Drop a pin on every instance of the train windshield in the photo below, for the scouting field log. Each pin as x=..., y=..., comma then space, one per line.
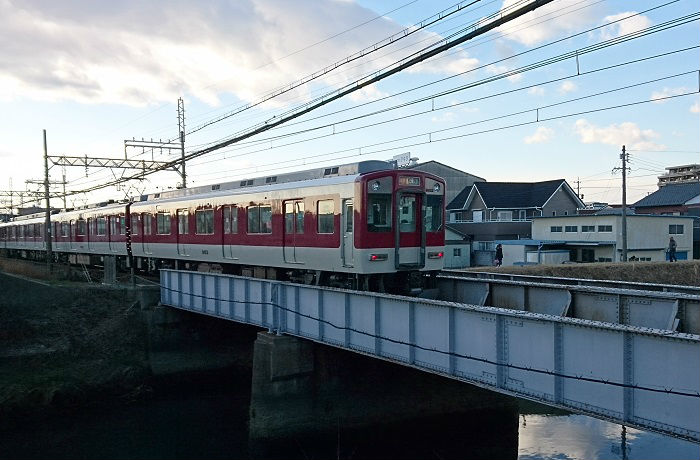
x=379, y=212
x=433, y=213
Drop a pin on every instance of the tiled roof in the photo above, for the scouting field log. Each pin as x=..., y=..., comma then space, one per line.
x=512, y=194
x=671, y=195
x=458, y=201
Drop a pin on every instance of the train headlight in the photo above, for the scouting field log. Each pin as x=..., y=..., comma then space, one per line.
x=436, y=188
x=375, y=186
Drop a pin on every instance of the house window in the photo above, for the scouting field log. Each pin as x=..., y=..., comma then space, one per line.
x=605, y=228
x=571, y=229
x=230, y=219
x=566, y=213
x=205, y=221
x=522, y=214
x=675, y=229
x=587, y=228
x=477, y=216
x=163, y=223
x=325, y=216
x=259, y=219
x=604, y=259
x=554, y=213
x=555, y=229
x=505, y=215
x=457, y=252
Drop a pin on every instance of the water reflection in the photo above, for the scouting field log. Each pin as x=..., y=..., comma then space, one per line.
x=214, y=425
x=563, y=436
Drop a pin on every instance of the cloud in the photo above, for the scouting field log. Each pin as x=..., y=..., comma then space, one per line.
x=626, y=26
x=695, y=108
x=542, y=134
x=368, y=93
x=139, y=52
x=495, y=69
x=536, y=91
x=666, y=92
x=567, y=87
x=443, y=117
x=626, y=133
x=546, y=22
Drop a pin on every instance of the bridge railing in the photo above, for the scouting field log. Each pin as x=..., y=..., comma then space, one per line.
x=646, y=378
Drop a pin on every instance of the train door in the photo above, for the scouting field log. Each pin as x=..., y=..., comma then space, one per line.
x=71, y=235
x=183, y=219
x=410, y=237
x=230, y=227
x=112, y=233
x=147, y=232
x=293, y=226
x=348, y=240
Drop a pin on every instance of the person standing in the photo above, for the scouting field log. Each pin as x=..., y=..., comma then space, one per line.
x=672, y=250
x=499, y=255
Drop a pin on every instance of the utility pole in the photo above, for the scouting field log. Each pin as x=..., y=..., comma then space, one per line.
x=47, y=220
x=181, y=129
x=624, y=158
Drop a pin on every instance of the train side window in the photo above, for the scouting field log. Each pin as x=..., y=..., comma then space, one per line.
x=259, y=219
x=325, y=213
x=205, y=221
x=101, y=226
x=433, y=213
x=64, y=229
x=147, y=224
x=81, y=227
x=135, y=221
x=378, y=212
x=163, y=223
x=183, y=219
x=122, y=225
x=112, y=225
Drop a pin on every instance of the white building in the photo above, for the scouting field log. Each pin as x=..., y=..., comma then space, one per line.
x=598, y=238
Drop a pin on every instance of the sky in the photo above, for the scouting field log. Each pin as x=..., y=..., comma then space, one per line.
x=553, y=94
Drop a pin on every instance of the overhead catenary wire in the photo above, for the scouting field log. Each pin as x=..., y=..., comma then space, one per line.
x=556, y=41
x=494, y=22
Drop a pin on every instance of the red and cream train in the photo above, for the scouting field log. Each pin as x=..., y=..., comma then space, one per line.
x=364, y=225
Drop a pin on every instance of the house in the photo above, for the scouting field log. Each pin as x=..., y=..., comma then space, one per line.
x=457, y=249
x=681, y=199
x=598, y=237
x=455, y=179
x=678, y=199
x=489, y=211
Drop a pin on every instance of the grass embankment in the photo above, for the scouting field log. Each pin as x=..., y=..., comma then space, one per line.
x=64, y=346
x=683, y=273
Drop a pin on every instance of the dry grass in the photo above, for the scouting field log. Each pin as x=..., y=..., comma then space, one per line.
x=683, y=273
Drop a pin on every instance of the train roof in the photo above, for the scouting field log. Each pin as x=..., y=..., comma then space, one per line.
x=350, y=169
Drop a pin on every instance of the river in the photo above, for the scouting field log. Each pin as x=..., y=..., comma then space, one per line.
x=211, y=423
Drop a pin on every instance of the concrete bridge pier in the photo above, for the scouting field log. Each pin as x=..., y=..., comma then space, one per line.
x=306, y=396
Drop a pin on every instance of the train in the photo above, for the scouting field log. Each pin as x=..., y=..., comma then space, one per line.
x=366, y=225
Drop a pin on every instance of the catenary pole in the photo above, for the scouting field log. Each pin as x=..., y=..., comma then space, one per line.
x=47, y=219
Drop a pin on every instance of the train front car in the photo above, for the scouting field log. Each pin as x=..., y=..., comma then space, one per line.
x=400, y=234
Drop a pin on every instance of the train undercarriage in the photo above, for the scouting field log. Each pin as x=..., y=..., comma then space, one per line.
x=408, y=282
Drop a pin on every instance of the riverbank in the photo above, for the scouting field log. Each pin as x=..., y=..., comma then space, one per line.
x=685, y=273
x=66, y=347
